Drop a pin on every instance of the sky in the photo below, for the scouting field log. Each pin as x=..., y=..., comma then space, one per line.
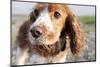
x=24, y=8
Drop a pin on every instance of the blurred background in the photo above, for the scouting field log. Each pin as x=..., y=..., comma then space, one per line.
x=85, y=15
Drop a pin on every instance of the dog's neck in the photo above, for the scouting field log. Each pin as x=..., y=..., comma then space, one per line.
x=50, y=50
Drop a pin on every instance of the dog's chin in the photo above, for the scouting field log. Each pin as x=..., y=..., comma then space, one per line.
x=41, y=40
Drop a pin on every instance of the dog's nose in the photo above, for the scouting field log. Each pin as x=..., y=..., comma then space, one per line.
x=36, y=32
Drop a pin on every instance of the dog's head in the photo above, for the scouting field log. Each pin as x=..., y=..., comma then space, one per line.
x=47, y=23
x=50, y=22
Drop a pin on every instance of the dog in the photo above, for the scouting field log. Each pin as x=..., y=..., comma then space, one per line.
x=43, y=38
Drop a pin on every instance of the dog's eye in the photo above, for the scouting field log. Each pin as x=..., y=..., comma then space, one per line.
x=36, y=12
x=32, y=17
x=57, y=14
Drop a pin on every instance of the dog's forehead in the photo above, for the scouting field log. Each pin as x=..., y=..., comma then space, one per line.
x=51, y=6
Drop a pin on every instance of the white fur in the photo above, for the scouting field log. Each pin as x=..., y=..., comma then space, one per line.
x=18, y=53
x=63, y=59
x=37, y=59
x=21, y=56
x=44, y=19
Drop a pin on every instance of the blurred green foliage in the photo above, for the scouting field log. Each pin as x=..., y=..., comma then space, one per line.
x=87, y=19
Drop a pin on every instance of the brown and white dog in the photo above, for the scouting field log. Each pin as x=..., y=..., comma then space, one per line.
x=42, y=39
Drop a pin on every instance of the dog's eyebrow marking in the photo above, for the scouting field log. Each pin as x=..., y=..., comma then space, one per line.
x=53, y=7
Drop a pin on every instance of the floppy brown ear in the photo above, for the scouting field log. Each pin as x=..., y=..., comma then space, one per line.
x=75, y=34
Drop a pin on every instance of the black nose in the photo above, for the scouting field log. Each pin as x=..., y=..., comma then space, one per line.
x=36, y=32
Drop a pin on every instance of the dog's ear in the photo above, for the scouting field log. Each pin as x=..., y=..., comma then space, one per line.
x=75, y=34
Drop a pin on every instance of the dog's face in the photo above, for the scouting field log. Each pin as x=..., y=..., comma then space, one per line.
x=47, y=22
